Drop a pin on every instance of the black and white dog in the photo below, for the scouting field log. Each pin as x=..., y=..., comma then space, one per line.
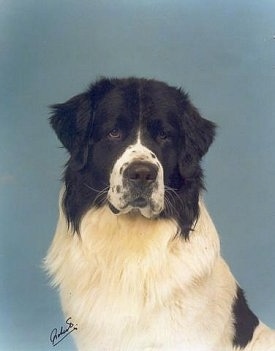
x=136, y=256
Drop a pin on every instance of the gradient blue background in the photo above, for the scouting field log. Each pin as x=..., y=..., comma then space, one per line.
x=221, y=52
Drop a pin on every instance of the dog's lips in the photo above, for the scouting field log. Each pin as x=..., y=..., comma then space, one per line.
x=139, y=202
x=113, y=208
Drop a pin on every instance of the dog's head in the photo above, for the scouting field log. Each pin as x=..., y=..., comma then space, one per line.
x=135, y=144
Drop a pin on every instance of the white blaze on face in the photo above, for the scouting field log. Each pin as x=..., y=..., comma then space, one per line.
x=120, y=193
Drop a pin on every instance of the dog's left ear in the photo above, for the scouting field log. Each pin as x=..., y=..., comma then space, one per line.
x=198, y=133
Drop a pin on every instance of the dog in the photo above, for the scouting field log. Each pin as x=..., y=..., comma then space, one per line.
x=136, y=256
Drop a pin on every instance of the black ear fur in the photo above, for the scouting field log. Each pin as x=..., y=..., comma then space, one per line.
x=198, y=135
x=70, y=119
x=200, y=132
x=73, y=121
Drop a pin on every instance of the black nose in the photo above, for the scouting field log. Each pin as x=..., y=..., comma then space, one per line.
x=141, y=173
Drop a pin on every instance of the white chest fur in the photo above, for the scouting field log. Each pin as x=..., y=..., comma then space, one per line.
x=131, y=283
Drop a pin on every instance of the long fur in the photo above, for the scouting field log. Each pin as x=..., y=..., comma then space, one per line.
x=149, y=290
x=133, y=283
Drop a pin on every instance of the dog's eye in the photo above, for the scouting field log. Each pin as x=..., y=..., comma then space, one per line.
x=115, y=134
x=163, y=135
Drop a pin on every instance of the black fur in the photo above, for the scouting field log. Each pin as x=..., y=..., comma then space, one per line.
x=245, y=321
x=172, y=128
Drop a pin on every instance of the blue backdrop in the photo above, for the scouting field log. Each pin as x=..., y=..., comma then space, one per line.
x=221, y=52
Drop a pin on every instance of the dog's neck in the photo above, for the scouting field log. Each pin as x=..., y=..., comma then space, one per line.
x=126, y=245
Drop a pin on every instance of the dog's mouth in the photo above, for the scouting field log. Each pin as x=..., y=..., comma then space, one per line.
x=140, y=202
x=148, y=205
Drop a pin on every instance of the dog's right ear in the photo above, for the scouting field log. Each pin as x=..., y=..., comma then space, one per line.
x=73, y=120
x=70, y=120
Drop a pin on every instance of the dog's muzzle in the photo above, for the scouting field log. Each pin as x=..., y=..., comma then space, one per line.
x=139, y=177
x=136, y=183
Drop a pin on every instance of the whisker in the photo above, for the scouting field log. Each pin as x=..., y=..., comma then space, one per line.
x=97, y=198
x=96, y=190
x=171, y=191
x=170, y=207
x=100, y=193
x=169, y=198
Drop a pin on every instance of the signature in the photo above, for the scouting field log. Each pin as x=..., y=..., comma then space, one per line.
x=57, y=335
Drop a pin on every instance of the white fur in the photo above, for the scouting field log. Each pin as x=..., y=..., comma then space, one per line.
x=119, y=200
x=132, y=284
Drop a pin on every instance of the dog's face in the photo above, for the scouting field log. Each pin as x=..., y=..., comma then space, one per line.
x=135, y=145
